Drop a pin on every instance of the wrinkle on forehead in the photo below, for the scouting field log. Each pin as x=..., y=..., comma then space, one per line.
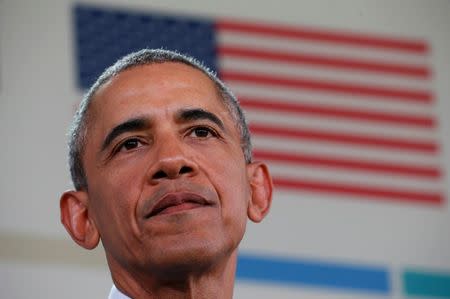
x=153, y=82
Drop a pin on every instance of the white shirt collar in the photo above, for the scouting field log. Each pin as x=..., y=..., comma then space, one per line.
x=116, y=294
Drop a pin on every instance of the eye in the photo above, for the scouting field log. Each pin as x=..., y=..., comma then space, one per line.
x=202, y=132
x=129, y=144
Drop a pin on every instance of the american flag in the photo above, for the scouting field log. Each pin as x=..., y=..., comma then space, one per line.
x=334, y=113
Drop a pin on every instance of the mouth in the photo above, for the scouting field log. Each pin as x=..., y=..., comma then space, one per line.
x=177, y=203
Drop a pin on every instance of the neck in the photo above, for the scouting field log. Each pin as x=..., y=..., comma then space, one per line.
x=214, y=282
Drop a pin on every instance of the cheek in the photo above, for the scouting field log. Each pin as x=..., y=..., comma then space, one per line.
x=115, y=194
x=234, y=192
x=124, y=178
x=229, y=173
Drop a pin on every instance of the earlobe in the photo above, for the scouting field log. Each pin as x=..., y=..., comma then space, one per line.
x=261, y=191
x=76, y=220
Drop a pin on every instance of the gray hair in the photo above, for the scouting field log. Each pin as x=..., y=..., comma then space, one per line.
x=79, y=129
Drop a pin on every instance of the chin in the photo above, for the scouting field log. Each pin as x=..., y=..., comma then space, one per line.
x=187, y=258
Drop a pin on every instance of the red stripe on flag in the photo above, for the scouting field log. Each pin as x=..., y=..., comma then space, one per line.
x=331, y=62
x=393, y=195
x=328, y=86
x=317, y=135
x=348, y=164
x=317, y=35
x=336, y=112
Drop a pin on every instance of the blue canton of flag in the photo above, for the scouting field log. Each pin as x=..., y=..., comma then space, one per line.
x=103, y=36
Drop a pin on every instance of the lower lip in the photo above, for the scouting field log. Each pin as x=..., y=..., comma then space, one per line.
x=180, y=208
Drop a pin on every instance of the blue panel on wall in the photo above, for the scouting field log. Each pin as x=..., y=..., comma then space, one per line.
x=372, y=279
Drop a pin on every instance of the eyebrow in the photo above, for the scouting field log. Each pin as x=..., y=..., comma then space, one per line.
x=131, y=125
x=198, y=114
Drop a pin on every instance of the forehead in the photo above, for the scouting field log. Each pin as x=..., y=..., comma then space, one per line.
x=154, y=88
x=154, y=81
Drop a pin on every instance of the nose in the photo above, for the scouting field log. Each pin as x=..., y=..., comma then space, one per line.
x=171, y=161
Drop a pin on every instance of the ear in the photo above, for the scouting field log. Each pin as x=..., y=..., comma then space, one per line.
x=76, y=220
x=261, y=191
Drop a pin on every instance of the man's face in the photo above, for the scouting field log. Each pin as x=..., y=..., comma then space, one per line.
x=167, y=179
